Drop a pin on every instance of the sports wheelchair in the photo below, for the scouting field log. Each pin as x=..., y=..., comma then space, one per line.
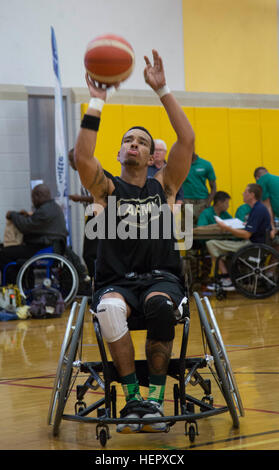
x=254, y=271
x=101, y=375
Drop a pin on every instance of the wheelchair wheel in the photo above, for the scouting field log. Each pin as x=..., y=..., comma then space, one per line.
x=255, y=271
x=224, y=357
x=51, y=270
x=63, y=358
x=70, y=367
x=219, y=371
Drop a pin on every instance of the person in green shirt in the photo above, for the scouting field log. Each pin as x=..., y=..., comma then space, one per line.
x=242, y=212
x=195, y=188
x=270, y=197
x=220, y=205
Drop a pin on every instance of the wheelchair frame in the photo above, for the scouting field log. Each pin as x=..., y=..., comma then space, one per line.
x=102, y=374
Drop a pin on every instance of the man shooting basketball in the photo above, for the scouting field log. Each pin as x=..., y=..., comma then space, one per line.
x=137, y=275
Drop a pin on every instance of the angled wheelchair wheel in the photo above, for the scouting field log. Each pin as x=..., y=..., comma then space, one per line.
x=51, y=270
x=217, y=365
x=68, y=368
x=255, y=271
x=224, y=357
x=62, y=362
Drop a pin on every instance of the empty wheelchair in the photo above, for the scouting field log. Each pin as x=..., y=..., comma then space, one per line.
x=48, y=269
x=76, y=381
x=254, y=271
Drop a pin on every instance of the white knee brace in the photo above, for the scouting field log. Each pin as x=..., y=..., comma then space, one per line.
x=112, y=316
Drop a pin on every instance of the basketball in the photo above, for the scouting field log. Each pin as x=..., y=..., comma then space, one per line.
x=109, y=59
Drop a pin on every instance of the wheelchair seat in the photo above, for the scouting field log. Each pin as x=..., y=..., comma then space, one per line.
x=185, y=371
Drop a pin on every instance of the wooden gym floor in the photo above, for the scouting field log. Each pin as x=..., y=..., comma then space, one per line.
x=29, y=352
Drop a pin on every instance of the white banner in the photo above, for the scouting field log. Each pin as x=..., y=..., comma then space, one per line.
x=60, y=141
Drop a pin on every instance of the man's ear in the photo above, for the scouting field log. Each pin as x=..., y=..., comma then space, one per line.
x=151, y=160
x=118, y=155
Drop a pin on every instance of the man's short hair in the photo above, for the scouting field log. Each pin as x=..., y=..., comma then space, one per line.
x=221, y=196
x=256, y=189
x=162, y=142
x=152, y=147
x=40, y=195
x=258, y=170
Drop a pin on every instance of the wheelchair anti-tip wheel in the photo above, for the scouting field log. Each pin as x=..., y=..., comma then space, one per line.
x=218, y=362
x=51, y=270
x=255, y=271
x=69, y=366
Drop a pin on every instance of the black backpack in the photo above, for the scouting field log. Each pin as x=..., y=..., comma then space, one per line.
x=47, y=302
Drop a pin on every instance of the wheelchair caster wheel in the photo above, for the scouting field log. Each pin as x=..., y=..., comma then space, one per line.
x=103, y=434
x=191, y=431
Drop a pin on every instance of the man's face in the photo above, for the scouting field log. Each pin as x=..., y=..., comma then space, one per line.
x=247, y=195
x=259, y=174
x=135, y=148
x=159, y=154
x=224, y=205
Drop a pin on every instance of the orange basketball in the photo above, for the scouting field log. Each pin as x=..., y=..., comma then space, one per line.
x=109, y=59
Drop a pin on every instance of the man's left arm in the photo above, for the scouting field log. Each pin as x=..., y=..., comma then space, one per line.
x=212, y=184
x=26, y=224
x=180, y=156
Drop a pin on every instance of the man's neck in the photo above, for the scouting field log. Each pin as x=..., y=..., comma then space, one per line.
x=134, y=176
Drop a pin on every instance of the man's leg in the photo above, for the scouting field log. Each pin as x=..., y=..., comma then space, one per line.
x=158, y=352
x=112, y=313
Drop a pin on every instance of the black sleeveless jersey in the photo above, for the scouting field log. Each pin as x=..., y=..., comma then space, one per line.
x=138, y=233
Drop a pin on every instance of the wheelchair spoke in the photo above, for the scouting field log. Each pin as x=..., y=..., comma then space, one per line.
x=244, y=261
x=268, y=280
x=256, y=284
x=244, y=277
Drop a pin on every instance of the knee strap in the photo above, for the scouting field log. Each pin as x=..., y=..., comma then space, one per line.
x=112, y=316
x=160, y=319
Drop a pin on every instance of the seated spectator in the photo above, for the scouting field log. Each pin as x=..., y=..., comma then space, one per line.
x=270, y=197
x=159, y=158
x=255, y=230
x=44, y=227
x=194, y=187
x=242, y=212
x=220, y=205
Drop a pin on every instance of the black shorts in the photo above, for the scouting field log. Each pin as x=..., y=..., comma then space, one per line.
x=135, y=291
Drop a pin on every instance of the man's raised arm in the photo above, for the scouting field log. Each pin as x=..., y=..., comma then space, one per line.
x=180, y=155
x=90, y=170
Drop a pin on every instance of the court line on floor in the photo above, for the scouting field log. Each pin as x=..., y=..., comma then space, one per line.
x=236, y=438
x=7, y=382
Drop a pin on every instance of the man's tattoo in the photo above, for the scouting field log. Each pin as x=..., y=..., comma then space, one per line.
x=158, y=354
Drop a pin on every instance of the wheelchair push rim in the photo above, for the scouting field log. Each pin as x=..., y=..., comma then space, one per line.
x=62, y=362
x=219, y=374
x=224, y=357
x=72, y=367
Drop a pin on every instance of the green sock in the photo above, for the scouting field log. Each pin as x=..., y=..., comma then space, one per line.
x=157, y=385
x=130, y=387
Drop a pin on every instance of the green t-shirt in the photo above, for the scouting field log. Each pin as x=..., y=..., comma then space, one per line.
x=194, y=187
x=242, y=212
x=270, y=187
x=207, y=216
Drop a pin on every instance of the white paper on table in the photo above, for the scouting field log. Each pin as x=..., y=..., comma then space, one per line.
x=234, y=223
